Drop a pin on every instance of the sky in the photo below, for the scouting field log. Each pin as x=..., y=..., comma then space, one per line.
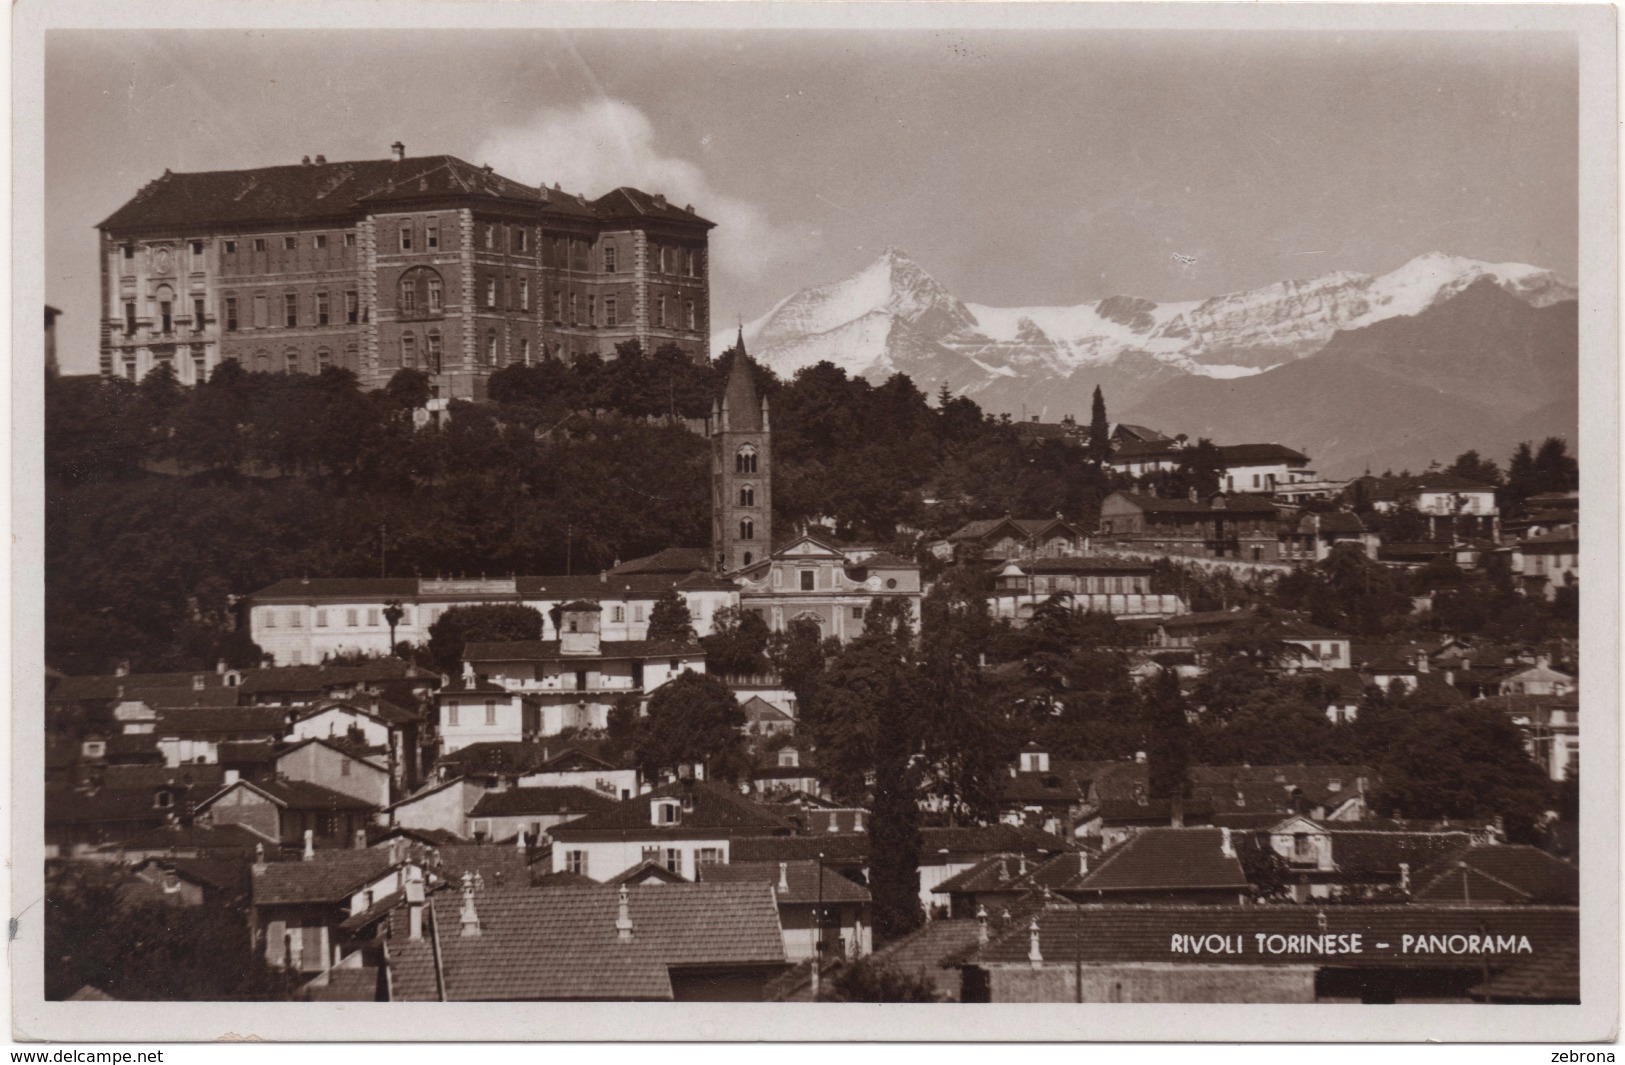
x=1018, y=167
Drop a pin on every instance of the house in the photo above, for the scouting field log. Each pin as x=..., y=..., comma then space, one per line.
x=1454, y=506
x=809, y=579
x=1116, y=586
x=1325, y=792
x=821, y=913
x=471, y=711
x=1315, y=534
x=1543, y=563
x=194, y=734
x=306, y=915
x=1192, y=866
x=682, y=825
x=1242, y=954
x=1338, y=859
x=186, y=881
x=1012, y=538
x=575, y=767
x=1138, y=458
x=294, y=812
x=1551, y=979
x=1509, y=874
x=1180, y=632
x=782, y=772
x=1045, y=793
x=439, y=807
x=576, y=680
x=319, y=761
x=1551, y=729
x=1242, y=527
x=1262, y=468
x=667, y=942
x=376, y=726
x=1303, y=644
x=499, y=816
x=762, y=718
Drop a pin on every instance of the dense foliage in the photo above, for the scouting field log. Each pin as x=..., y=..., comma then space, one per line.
x=461, y=625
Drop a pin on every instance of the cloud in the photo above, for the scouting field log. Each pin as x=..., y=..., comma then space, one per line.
x=605, y=143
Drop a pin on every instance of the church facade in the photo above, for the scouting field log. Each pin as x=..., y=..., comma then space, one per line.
x=425, y=263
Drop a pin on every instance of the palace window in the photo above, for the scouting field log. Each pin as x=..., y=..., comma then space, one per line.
x=745, y=460
x=352, y=618
x=436, y=297
x=693, y=263
x=129, y=251
x=491, y=347
x=592, y=310
x=406, y=237
x=610, y=317
x=230, y=247
x=433, y=351
x=409, y=360
x=747, y=529
x=259, y=243
x=199, y=312
x=690, y=314
x=524, y=292
x=197, y=249
x=490, y=711
x=321, y=240
x=431, y=234
x=352, y=308
x=200, y=370
x=409, y=296
x=574, y=319
x=660, y=311
x=166, y=316
x=524, y=350
x=747, y=495
x=490, y=236
x=290, y=243
x=291, y=361
x=324, y=359
x=349, y=240
x=674, y=860
x=809, y=580
x=451, y=715
x=521, y=238
x=321, y=619
x=558, y=307
x=619, y=615
x=609, y=258
x=323, y=313
x=290, y=310
x=129, y=317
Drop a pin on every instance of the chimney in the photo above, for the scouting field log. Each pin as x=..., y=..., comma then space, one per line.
x=259, y=857
x=1176, y=812
x=321, y=160
x=305, y=161
x=232, y=776
x=1405, y=877
x=603, y=576
x=360, y=839
x=469, y=920
x=521, y=841
x=123, y=669
x=1227, y=846
x=1083, y=863
x=1139, y=757
x=784, y=876
x=834, y=822
x=1021, y=865
x=1421, y=661
x=623, y=915
x=981, y=925
x=857, y=821
x=397, y=151
x=1193, y=493
x=310, y=845
x=414, y=902
x=1034, y=957
x=660, y=200
x=220, y=666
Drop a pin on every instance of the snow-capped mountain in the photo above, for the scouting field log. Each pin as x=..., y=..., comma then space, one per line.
x=892, y=317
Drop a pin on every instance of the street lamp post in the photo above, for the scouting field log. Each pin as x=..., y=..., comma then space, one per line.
x=393, y=614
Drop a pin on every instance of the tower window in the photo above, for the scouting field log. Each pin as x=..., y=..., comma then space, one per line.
x=747, y=529
x=745, y=460
x=747, y=495
x=197, y=248
x=592, y=310
x=231, y=247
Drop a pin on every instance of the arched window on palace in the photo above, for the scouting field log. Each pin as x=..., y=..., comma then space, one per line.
x=420, y=293
x=747, y=529
x=747, y=495
x=745, y=460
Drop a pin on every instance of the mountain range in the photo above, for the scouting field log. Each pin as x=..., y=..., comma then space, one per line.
x=1392, y=370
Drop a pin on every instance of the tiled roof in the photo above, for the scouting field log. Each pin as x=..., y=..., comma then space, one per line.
x=110, y=806
x=331, y=876
x=598, y=586
x=323, y=677
x=348, y=985
x=1255, y=454
x=220, y=874
x=330, y=745
x=497, y=756
x=297, y=795
x=1321, y=785
x=382, y=589
x=758, y=709
x=714, y=809
x=548, y=651
x=1338, y=521
x=380, y=710
x=248, y=752
x=673, y=926
x=1001, y=872
x=562, y=878
x=305, y=193
x=503, y=866
x=988, y=839
x=1167, y=859
x=841, y=847
x=1139, y=432
x=1237, y=503
x=674, y=560
x=644, y=871
x=1029, y=787
x=1082, y=564
x=1131, y=450
x=222, y=720
x=520, y=802
x=1551, y=976
x=174, y=696
x=802, y=878
x=108, y=686
x=157, y=776
x=885, y=560
x=1508, y=873
x=976, y=530
x=129, y=744
x=1358, y=851
x=1108, y=934
x=627, y=201
x=231, y=837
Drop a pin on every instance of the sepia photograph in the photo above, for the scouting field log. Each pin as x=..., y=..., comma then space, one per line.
x=767, y=507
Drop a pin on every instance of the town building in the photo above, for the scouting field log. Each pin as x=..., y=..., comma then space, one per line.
x=1012, y=538
x=821, y=913
x=810, y=580
x=1263, y=469
x=1315, y=534
x=1543, y=563
x=306, y=914
x=480, y=711
x=501, y=816
x=294, y=812
x=1095, y=583
x=1244, y=527
x=304, y=621
x=380, y=265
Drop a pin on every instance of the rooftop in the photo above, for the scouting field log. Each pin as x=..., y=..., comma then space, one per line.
x=707, y=808
x=1168, y=859
x=331, y=876
x=801, y=880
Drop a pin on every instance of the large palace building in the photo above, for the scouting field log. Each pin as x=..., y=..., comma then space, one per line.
x=427, y=263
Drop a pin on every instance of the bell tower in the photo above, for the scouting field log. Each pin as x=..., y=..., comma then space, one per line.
x=741, y=471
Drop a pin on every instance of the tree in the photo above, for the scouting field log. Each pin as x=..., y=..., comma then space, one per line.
x=409, y=389
x=894, y=823
x=1471, y=466
x=669, y=620
x=1555, y=469
x=737, y=645
x=461, y=625
x=1100, y=430
x=693, y=718
x=873, y=980
x=1201, y=467
x=1168, y=739
x=1267, y=872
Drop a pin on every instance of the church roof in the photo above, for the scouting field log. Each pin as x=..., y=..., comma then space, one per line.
x=740, y=399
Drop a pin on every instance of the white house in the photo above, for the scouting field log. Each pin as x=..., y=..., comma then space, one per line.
x=473, y=711
x=1262, y=468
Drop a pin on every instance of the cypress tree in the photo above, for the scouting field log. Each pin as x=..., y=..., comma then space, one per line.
x=1100, y=445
